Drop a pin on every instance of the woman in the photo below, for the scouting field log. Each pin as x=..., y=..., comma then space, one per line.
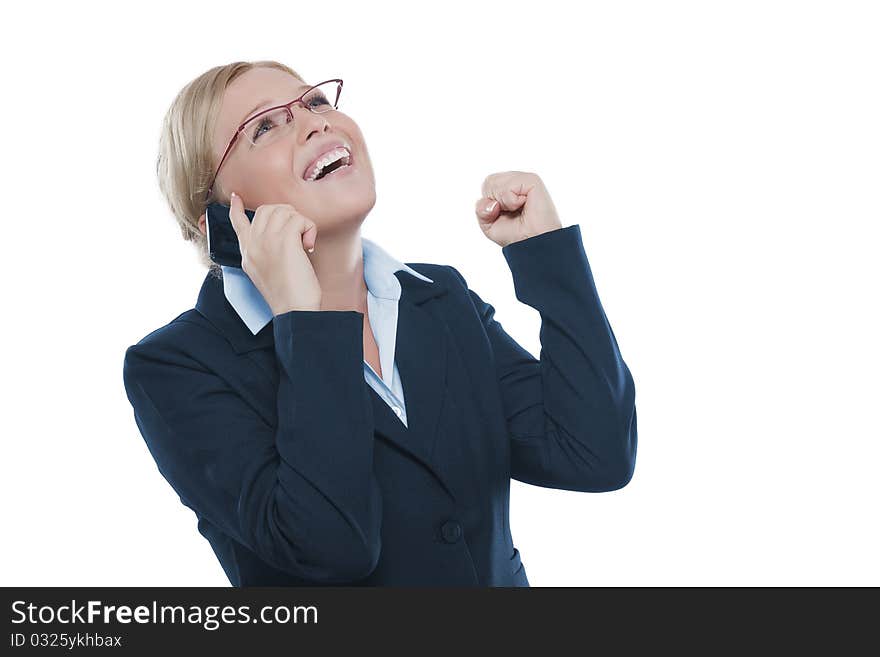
x=335, y=416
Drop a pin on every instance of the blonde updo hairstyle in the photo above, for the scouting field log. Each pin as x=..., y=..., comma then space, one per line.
x=186, y=160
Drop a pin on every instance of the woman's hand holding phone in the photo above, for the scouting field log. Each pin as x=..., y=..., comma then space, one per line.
x=273, y=254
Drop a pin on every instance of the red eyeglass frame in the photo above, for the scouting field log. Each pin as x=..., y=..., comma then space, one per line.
x=288, y=107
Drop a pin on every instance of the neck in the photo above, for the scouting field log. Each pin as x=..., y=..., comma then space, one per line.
x=338, y=261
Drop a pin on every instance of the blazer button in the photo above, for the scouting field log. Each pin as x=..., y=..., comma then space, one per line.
x=451, y=531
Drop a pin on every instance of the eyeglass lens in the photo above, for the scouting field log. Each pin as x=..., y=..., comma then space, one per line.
x=266, y=128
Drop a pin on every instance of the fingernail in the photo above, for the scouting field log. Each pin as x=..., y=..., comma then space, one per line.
x=491, y=206
x=233, y=194
x=311, y=250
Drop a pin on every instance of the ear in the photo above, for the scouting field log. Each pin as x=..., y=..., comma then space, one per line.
x=202, y=225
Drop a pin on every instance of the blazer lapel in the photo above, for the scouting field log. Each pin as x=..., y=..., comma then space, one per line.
x=421, y=354
x=421, y=357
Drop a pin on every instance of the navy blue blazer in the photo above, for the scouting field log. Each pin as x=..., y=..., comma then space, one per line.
x=300, y=475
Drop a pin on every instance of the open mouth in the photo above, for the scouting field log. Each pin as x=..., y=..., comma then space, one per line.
x=333, y=166
x=343, y=162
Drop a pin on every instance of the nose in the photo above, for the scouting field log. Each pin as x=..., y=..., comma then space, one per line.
x=308, y=123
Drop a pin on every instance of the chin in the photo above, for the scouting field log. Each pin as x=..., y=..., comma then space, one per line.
x=349, y=206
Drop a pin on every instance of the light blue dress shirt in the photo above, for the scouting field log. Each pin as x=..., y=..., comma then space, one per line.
x=383, y=296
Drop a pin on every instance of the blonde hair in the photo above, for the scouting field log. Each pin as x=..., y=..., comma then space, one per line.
x=186, y=160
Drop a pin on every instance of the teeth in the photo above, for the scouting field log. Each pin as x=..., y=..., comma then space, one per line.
x=330, y=157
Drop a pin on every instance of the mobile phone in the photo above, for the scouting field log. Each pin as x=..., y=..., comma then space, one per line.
x=222, y=241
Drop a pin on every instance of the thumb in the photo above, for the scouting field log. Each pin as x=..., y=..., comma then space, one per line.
x=486, y=207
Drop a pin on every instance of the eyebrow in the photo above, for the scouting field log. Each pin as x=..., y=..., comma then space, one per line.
x=265, y=103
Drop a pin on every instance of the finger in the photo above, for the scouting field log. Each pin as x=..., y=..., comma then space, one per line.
x=511, y=201
x=310, y=236
x=304, y=228
x=495, y=182
x=487, y=208
x=239, y=220
x=501, y=191
x=283, y=214
x=259, y=226
x=276, y=217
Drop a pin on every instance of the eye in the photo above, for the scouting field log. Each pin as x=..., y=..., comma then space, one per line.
x=258, y=130
x=267, y=123
x=318, y=100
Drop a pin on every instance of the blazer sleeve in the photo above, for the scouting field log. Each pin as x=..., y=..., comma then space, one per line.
x=301, y=495
x=571, y=415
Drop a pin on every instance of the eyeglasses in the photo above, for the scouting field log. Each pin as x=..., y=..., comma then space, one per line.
x=267, y=126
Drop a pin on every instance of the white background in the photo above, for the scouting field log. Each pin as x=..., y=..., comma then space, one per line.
x=721, y=158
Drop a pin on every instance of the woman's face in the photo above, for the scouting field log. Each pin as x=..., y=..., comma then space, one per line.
x=274, y=173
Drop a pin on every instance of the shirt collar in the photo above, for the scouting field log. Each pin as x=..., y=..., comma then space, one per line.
x=379, y=268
